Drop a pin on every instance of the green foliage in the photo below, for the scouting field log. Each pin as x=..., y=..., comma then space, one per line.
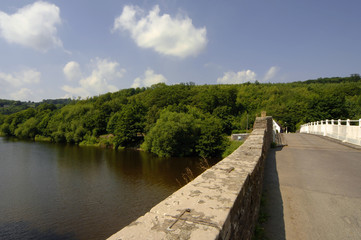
x=174, y=134
x=28, y=129
x=233, y=145
x=212, y=140
x=186, y=134
x=40, y=138
x=106, y=141
x=89, y=141
x=8, y=107
x=183, y=119
x=5, y=130
x=128, y=125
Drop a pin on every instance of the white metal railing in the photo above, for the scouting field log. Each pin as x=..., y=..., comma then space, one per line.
x=344, y=130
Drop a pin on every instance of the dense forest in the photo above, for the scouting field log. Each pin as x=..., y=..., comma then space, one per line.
x=10, y=106
x=184, y=119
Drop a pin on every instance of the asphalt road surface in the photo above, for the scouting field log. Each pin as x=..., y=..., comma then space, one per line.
x=312, y=189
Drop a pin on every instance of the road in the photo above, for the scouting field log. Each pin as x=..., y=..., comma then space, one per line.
x=312, y=189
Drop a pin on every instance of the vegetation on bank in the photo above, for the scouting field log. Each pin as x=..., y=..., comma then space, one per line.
x=184, y=119
x=231, y=148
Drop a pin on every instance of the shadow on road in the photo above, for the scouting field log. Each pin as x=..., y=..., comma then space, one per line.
x=274, y=227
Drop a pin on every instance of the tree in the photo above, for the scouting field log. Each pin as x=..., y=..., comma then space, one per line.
x=186, y=134
x=128, y=125
x=28, y=129
x=211, y=141
x=5, y=129
x=174, y=134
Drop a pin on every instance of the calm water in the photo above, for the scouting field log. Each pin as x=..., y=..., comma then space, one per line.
x=52, y=191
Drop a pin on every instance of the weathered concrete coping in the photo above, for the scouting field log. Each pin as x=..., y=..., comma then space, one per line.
x=213, y=205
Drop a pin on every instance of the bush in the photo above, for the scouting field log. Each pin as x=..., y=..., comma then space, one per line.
x=40, y=138
x=233, y=145
x=174, y=134
x=186, y=134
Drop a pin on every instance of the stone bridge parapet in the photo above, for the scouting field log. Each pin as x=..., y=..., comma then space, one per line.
x=221, y=203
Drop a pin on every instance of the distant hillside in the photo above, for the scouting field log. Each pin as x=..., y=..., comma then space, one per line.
x=10, y=106
x=183, y=119
x=352, y=78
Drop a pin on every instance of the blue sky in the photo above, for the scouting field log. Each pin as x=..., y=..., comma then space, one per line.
x=55, y=49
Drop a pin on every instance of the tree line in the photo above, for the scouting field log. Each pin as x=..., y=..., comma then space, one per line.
x=10, y=106
x=184, y=119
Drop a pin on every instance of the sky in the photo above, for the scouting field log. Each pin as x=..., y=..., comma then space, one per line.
x=60, y=49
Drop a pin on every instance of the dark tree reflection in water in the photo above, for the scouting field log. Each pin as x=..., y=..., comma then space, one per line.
x=54, y=191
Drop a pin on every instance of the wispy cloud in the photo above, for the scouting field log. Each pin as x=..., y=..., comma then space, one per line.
x=237, y=77
x=244, y=76
x=148, y=79
x=22, y=94
x=271, y=73
x=21, y=78
x=32, y=26
x=173, y=36
x=103, y=72
x=17, y=85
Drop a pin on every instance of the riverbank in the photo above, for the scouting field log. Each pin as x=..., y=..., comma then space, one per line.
x=107, y=141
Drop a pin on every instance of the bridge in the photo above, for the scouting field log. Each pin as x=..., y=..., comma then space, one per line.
x=312, y=185
x=344, y=130
x=311, y=188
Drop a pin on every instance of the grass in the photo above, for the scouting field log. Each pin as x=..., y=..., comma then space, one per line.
x=188, y=175
x=231, y=148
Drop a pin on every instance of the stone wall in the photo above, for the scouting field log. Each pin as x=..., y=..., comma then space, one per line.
x=221, y=203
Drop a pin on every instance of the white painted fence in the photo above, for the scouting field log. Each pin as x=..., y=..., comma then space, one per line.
x=344, y=130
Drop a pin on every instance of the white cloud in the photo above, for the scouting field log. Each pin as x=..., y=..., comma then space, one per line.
x=24, y=94
x=271, y=73
x=148, y=79
x=237, y=77
x=75, y=91
x=32, y=26
x=16, y=85
x=30, y=76
x=102, y=73
x=17, y=79
x=166, y=35
x=72, y=71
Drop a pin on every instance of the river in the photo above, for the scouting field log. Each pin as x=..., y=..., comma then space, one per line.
x=56, y=191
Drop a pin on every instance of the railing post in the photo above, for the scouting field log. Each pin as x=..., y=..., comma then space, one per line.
x=325, y=129
x=338, y=128
x=322, y=130
x=332, y=122
x=348, y=122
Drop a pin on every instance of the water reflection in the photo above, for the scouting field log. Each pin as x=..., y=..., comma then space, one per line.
x=24, y=230
x=80, y=192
